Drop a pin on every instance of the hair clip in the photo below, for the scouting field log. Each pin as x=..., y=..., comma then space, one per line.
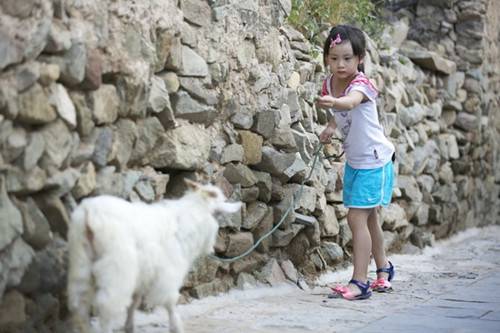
x=336, y=41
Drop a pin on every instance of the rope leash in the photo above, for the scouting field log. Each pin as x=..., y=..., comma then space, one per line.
x=295, y=198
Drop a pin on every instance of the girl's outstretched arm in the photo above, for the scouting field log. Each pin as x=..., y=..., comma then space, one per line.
x=347, y=102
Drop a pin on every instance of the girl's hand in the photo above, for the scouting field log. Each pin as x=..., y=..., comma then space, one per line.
x=327, y=133
x=326, y=102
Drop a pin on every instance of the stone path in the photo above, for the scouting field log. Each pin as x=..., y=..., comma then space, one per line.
x=452, y=287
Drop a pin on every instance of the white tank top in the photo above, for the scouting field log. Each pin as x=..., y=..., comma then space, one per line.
x=365, y=144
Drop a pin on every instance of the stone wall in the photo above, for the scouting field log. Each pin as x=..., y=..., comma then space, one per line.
x=129, y=98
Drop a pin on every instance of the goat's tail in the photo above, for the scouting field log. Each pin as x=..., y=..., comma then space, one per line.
x=80, y=284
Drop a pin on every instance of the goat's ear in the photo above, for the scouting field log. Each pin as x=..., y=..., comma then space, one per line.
x=210, y=194
x=191, y=184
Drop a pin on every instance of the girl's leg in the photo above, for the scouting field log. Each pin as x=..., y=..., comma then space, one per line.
x=377, y=237
x=362, y=243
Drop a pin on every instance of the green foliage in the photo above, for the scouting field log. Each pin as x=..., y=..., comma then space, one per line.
x=311, y=17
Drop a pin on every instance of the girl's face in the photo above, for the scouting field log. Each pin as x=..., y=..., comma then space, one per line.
x=341, y=60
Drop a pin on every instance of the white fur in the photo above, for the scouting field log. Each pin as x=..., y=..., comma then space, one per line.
x=122, y=253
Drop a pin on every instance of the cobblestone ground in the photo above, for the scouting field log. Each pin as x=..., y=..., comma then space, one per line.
x=452, y=287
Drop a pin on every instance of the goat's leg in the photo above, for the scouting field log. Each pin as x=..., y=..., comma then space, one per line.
x=79, y=302
x=174, y=319
x=129, y=323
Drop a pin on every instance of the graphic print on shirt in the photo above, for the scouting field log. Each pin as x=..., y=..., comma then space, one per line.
x=347, y=124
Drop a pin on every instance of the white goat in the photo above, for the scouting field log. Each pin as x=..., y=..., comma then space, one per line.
x=122, y=253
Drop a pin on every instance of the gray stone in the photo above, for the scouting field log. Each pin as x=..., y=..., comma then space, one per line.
x=284, y=213
x=204, y=270
x=245, y=281
x=306, y=202
x=249, y=194
x=232, y=153
x=284, y=139
x=33, y=150
x=427, y=158
x=329, y=223
x=421, y=216
x=282, y=238
x=467, y=121
x=87, y=181
x=117, y=184
x=27, y=75
x=34, y=107
x=58, y=143
x=103, y=146
x=290, y=271
x=133, y=91
x=158, y=95
x=149, y=133
x=239, y=174
x=427, y=59
x=14, y=261
x=85, y=123
x=12, y=310
x=252, y=147
x=72, y=64
x=283, y=165
x=14, y=142
x=393, y=217
x=10, y=50
x=196, y=89
x=36, y=228
x=242, y=120
x=196, y=12
x=62, y=182
x=409, y=188
x=239, y=243
x=192, y=63
x=188, y=108
x=212, y=288
x=60, y=99
x=23, y=183
x=145, y=189
x=11, y=223
x=262, y=229
x=272, y=273
x=125, y=138
x=105, y=104
x=55, y=211
x=264, y=183
x=332, y=252
x=264, y=123
x=254, y=214
x=171, y=80
x=59, y=38
x=412, y=115
x=186, y=148
x=48, y=270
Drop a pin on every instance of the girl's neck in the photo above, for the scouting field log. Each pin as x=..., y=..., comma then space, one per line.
x=340, y=85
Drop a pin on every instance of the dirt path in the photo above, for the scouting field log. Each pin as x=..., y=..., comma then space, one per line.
x=449, y=267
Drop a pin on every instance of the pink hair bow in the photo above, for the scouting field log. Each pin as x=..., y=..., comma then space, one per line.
x=336, y=41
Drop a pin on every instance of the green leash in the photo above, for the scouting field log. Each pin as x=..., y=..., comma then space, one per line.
x=295, y=197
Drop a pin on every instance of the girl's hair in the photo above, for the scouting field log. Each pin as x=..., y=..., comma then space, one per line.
x=350, y=33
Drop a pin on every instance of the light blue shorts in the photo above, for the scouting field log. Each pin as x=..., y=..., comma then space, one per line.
x=368, y=188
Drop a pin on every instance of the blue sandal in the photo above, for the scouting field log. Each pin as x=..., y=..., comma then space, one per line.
x=382, y=284
x=346, y=293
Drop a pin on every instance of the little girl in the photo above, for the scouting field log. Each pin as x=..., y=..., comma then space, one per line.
x=349, y=97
